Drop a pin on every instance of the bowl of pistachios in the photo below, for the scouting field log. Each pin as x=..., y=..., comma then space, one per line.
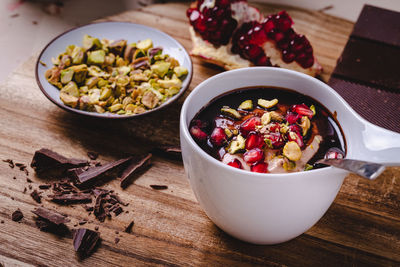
x=115, y=70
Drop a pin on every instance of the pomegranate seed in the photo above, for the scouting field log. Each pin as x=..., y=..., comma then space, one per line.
x=236, y=164
x=254, y=140
x=288, y=56
x=263, y=61
x=274, y=127
x=197, y=133
x=259, y=37
x=307, y=63
x=334, y=153
x=253, y=155
x=279, y=36
x=261, y=167
x=293, y=136
x=284, y=22
x=275, y=139
x=268, y=25
x=249, y=125
x=218, y=136
x=292, y=117
x=302, y=109
x=283, y=45
x=253, y=51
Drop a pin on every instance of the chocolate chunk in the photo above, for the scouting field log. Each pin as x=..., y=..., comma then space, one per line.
x=379, y=25
x=95, y=174
x=116, y=241
x=17, y=215
x=36, y=196
x=30, y=187
x=51, y=216
x=24, y=190
x=71, y=198
x=14, y=177
x=29, y=180
x=44, y=186
x=92, y=155
x=171, y=152
x=2, y=221
x=128, y=229
x=49, y=162
x=85, y=241
x=158, y=187
x=10, y=163
x=96, y=228
x=117, y=211
x=134, y=167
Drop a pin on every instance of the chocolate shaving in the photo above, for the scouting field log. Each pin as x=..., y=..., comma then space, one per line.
x=134, y=167
x=17, y=215
x=92, y=155
x=36, y=196
x=85, y=241
x=44, y=186
x=29, y=180
x=71, y=198
x=171, y=152
x=95, y=174
x=82, y=222
x=158, y=187
x=128, y=229
x=51, y=216
x=49, y=162
x=10, y=163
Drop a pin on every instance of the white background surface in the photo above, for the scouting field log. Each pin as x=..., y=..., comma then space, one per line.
x=20, y=37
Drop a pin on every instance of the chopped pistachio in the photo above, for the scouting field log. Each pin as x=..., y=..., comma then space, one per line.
x=69, y=100
x=105, y=93
x=235, y=131
x=124, y=70
x=80, y=73
x=267, y=103
x=312, y=107
x=305, y=124
x=308, y=167
x=66, y=75
x=150, y=99
x=275, y=116
x=115, y=107
x=94, y=96
x=180, y=71
x=236, y=145
x=289, y=165
x=71, y=89
x=83, y=90
x=140, y=77
x=117, y=47
x=160, y=68
x=268, y=142
x=266, y=118
x=145, y=44
x=77, y=55
x=99, y=109
x=292, y=151
x=109, y=59
x=89, y=42
x=172, y=91
x=92, y=82
x=230, y=112
x=246, y=105
x=138, y=54
x=83, y=102
x=130, y=107
x=129, y=51
x=228, y=132
x=96, y=57
x=97, y=72
x=170, y=83
x=284, y=127
x=65, y=61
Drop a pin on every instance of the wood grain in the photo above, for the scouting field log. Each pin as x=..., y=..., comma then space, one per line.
x=361, y=228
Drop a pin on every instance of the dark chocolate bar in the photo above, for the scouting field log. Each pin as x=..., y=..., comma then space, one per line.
x=51, y=216
x=85, y=241
x=135, y=166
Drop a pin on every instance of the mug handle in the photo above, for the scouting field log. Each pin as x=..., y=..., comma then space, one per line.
x=379, y=145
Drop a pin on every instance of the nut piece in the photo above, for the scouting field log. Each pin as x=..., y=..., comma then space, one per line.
x=180, y=71
x=161, y=68
x=96, y=57
x=267, y=104
x=66, y=76
x=228, y=132
x=90, y=42
x=292, y=151
x=230, y=112
x=150, y=99
x=117, y=47
x=275, y=116
x=246, y=105
x=237, y=145
x=305, y=124
x=266, y=118
x=312, y=107
x=69, y=100
x=145, y=44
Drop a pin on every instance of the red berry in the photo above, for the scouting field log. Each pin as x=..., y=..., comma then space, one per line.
x=253, y=155
x=197, y=133
x=249, y=125
x=236, y=164
x=218, y=136
x=254, y=140
x=302, y=109
x=261, y=167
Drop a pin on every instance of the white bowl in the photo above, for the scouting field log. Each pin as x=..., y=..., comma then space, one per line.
x=273, y=208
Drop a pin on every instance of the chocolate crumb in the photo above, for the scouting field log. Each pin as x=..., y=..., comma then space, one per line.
x=12, y=198
x=14, y=178
x=36, y=196
x=10, y=163
x=17, y=215
x=34, y=22
x=30, y=187
x=158, y=187
x=82, y=222
x=96, y=228
x=24, y=190
x=116, y=240
x=128, y=229
x=85, y=241
x=92, y=155
x=44, y=186
x=117, y=232
x=29, y=180
x=2, y=221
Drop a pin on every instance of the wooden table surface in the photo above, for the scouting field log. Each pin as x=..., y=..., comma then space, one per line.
x=362, y=227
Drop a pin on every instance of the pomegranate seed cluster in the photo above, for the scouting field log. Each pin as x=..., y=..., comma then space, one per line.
x=254, y=133
x=217, y=26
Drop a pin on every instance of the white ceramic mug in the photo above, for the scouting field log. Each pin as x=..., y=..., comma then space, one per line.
x=273, y=208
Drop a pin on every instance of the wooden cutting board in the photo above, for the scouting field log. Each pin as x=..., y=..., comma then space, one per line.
x=362, y=227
